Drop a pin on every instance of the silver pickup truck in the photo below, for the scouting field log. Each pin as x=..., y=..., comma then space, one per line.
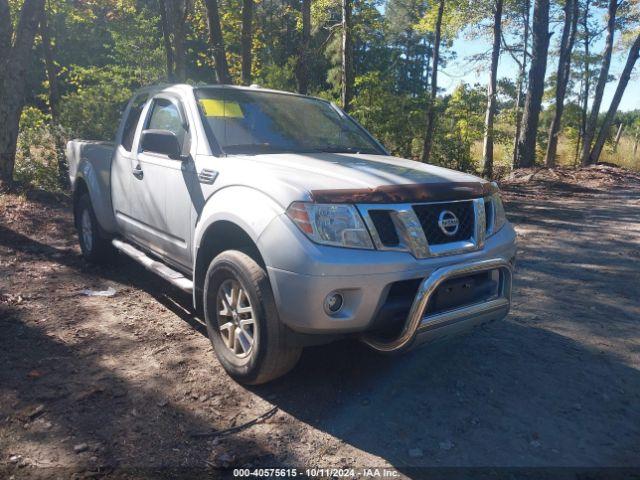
x=291, y=225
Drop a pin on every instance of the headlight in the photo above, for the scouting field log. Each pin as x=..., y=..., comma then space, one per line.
x=496, y=217
x=328, y=224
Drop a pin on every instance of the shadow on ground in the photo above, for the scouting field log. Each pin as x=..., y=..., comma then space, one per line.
x=553, y=385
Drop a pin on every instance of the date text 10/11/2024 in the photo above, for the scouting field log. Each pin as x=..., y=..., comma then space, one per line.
x=316, y=472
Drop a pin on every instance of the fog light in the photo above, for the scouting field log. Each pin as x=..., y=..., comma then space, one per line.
x=333, y=303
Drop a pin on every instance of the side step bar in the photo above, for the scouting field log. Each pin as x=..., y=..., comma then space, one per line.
x=175, y=278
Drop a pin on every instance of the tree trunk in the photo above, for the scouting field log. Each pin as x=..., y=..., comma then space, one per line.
x=634, y=52
x=6, y=34
x=491, y=91
x=635, y=145
x=166, y=37
x=602, y=82
x=217, y=42
x=618, y=135
x=533, y=102
x=178, y=18
x=15, y=58
x=52, y=70
x=586, y=80
x=288, y=38
x=346, y=94
x=427, y=67
x=302, y=70
x=54, y=99
x=431, y=100
x=175, y=17
x=521, y=77
x=564, y=71
x=246, y=40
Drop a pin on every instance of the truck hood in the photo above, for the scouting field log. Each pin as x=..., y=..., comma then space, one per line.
x=306, y=176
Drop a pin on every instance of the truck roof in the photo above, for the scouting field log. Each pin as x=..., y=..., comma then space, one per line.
x=184, y=86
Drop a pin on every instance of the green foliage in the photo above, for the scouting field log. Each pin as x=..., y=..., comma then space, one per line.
x=461, y=125
x=279, y=77
x=137, y=46
x=370, y=52
x=465, y=111
x=104, y=50
x=33, y=119
x=397, y=120
x=93, y=110
x=38, y=153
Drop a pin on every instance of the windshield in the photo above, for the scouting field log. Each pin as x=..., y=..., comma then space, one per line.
x=254, y=122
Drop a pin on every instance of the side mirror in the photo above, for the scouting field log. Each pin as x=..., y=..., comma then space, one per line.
x=161, y=141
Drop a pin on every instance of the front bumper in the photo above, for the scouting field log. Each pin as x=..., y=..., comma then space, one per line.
x=365, y=279
x=420, y=327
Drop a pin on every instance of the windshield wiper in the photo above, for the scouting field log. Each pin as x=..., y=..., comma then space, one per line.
x=342, y=149
x=258, y=148
x=255, y=148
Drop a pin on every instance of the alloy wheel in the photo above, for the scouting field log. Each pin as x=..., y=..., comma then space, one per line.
x=236, y=320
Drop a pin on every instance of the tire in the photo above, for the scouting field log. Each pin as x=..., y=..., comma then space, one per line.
x=247, y=335
x=95, y=248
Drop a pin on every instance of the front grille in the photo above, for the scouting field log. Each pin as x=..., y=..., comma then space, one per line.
x=415, y=227
x=385, y=227
x=429, y=214
x=488, y=214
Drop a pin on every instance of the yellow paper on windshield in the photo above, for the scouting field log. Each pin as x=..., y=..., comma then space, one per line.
x=219, y=108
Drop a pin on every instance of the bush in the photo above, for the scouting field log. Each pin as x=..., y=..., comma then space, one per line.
x=40, y=161
x=396, y=120
x=279, y=77
x=451, y=150
x=93, y=110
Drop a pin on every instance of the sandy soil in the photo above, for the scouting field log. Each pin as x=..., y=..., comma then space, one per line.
x=93, y=385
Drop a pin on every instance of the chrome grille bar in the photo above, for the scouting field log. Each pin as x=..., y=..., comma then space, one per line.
x=411, y=233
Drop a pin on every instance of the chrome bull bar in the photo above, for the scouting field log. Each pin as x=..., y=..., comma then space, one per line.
x=417, y=323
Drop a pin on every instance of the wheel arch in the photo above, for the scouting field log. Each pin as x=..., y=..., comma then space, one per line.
x=234, y=217
x=80, y=189
x=219, y=236
x=95, y=181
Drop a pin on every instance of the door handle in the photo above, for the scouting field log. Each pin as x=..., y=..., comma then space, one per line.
x=138, y=173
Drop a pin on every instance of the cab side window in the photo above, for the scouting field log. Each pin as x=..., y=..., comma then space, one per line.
x=165, y=116
x=131, y=122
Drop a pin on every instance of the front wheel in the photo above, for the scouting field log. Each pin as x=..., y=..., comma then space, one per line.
x=242, y=320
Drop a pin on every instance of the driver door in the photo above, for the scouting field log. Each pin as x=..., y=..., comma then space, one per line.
x=162, y=207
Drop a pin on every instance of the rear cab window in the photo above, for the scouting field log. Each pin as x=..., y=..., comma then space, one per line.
x=130, y=124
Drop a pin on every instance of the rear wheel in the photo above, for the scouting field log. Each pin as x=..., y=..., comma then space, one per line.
x=95, y=248
x=242, y=321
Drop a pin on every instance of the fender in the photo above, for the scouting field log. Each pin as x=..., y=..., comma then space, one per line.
x=97, y=178
x=247, y=207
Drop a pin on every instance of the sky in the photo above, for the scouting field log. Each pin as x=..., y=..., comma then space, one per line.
x=460, y=70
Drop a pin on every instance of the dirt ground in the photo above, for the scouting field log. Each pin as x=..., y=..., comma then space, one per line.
x=129, y=383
